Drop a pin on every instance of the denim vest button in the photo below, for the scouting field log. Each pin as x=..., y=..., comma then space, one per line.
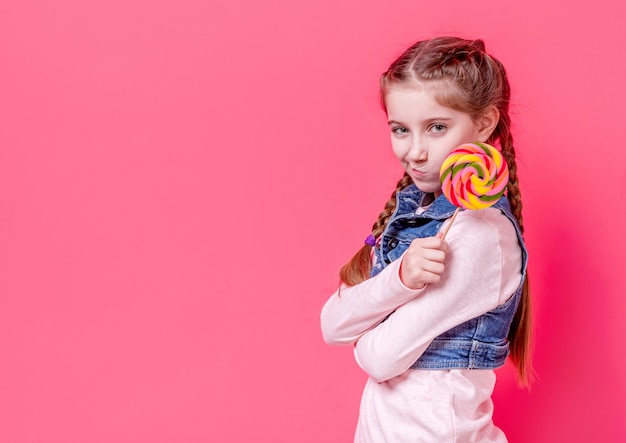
x=392, y=243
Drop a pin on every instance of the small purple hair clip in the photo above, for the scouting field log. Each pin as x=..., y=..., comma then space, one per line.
x=370, y=240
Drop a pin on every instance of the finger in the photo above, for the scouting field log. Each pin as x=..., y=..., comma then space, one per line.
x=439, y=244
x=433, y=268
x=430, y=278
x=435, y=255
x=425, y=244
x=418, y=271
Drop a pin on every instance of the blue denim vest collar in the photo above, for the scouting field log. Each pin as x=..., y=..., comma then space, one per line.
x=480, y=343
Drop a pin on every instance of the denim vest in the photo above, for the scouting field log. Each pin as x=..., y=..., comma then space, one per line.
x=480, y=343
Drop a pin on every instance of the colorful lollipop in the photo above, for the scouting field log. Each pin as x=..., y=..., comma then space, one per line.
x=473, y=176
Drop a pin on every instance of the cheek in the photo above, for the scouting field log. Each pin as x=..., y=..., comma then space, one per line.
x=441, y=156
x=476, y=136
x=398, y=148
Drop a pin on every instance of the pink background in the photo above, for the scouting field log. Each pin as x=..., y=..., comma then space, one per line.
x=181, y=180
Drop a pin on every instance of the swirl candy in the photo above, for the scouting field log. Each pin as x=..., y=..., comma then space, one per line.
x=474, y=176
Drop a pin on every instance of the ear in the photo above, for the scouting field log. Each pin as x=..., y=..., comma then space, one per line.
x=487, y=122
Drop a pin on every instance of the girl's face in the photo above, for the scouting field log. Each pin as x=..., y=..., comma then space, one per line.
x=423, y=132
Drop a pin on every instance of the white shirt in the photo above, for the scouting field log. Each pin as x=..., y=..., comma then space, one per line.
x=483, y=269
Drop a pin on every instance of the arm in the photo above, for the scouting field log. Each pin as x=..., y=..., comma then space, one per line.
x=352, y=310
x=482, y=271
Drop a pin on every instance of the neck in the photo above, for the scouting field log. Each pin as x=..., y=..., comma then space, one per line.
x=427, y=199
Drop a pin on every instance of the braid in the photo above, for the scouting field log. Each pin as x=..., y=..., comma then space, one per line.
x=359, y=267
x=521, y=327
x=379, y=226
x=508, y=152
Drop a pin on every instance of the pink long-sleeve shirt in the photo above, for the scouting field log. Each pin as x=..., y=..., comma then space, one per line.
x=399, y=404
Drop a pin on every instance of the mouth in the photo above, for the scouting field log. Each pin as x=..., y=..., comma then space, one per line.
x=417, y=173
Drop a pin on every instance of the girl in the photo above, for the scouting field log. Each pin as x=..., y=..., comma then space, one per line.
x=430, y=319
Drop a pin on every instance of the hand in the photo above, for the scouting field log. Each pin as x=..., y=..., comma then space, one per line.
x=422, y=263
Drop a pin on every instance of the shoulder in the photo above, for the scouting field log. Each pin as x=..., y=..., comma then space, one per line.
x=484, y=221
x=485, y=242
x=486, y=231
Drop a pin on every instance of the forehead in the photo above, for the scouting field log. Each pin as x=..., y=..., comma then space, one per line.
x=417, y=101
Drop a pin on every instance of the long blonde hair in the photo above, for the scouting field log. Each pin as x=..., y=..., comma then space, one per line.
x=476, y=81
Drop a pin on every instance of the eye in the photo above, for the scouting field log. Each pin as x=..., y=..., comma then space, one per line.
x=399, y=130
x=437, y=128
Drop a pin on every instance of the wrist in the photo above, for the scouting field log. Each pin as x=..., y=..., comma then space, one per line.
x=403, y=281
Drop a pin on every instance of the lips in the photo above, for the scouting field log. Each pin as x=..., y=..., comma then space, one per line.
x=417, y=173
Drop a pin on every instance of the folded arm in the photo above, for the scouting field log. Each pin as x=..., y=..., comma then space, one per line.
x=353, y=310
x=472, y=284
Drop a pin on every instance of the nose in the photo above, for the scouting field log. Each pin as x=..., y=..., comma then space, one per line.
x=417, y=151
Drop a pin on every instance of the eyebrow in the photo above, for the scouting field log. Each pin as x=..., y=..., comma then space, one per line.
x=428, y=121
